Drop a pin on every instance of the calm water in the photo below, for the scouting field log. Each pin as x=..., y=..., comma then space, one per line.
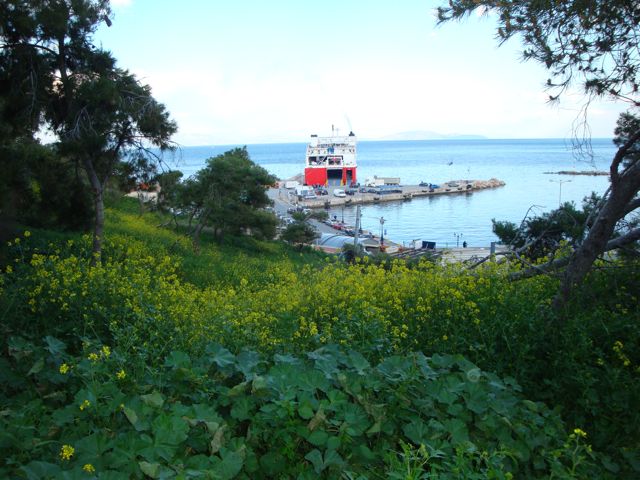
x=520, y=163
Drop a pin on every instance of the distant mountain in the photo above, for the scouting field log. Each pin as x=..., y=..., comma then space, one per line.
x=428, y=135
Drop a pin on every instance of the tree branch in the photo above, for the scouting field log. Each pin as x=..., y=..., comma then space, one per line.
x=619, y=156
x=630, y=237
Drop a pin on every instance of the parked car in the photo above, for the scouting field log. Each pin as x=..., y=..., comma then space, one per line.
x=338, y=192
x=351, y=191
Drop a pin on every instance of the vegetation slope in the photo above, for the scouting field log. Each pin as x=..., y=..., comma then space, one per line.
x=252, y=360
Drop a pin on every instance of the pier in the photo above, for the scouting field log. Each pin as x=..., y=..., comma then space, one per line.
x=364, y=195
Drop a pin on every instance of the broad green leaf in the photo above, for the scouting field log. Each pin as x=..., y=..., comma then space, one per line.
x=258, y=384
x=417, y=431
x=242, y=408
x=131, y=415
x=395, y=369
x=333, y=443
x=248, y=362
x=178, y=360
x=220, y=355
x=273, y=463
x=150, y=469
x=37, y=470
x=154, y=399
x=37, y=367
x=230, y=466
x=55, y=346
x=318, y=438
x=305, y=410
x=239, y=389
x=442, y=361
x=170, y=429
x=315, y=457
x=457, y=430
x=312, y=380
x=358, y=362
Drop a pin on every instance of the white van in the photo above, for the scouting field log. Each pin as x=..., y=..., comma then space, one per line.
x=338, y=192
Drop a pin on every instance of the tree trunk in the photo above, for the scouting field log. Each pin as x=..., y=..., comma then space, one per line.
x=98, y=202
x=615, y=208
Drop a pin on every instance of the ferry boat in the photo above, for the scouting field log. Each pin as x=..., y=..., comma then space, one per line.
x=331, y=161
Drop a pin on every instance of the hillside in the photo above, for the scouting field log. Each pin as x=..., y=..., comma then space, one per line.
x=254, y=360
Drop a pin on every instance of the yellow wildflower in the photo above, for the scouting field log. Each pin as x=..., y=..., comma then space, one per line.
x=9, y=269
x=93, y=357
x=64, y=369
x=66, y=452
x=89, y=468
x=85, y=404
x=27, y=234
x=445, y=337
x=121, y=375
x=106, y=351
x=580, y=433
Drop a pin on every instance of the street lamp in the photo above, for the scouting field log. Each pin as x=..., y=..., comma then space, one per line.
x=458, y=235
x=560, y=182
x=382, y=220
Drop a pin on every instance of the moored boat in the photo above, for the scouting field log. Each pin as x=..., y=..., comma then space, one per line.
x=331, y=160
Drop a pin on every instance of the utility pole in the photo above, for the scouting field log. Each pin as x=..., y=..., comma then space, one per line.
x=457, y=235
x=560, y=182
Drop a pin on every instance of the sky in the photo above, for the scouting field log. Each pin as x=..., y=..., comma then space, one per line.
x=251, y=71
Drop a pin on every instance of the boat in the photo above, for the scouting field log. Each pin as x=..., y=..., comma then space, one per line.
x=331, y=160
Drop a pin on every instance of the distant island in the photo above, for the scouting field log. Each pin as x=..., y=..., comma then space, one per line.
x=429, y=135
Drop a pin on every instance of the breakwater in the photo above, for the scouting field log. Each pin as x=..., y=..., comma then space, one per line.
x=401, y=193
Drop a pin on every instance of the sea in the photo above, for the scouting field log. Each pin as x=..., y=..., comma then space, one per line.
x=529, y=167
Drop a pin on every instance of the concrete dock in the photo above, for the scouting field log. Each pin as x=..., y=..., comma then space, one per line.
x=407, y=192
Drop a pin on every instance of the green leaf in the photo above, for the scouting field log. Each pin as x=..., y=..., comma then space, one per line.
x=318, y=438
x=442, y=361
x=273, y=463
x=259, y=383
x=313, y=380
x=331, y=457
x=220, y=355
x=37, y=367
x=333, y=443
x=150, y=469
x=239, y=389
x=417, y=431
x=170, y=429
x=305, y=410
x=55, y=346
x=315, y=457
x=37, y=470
x=230, y=466
x=358, y=362
x=155, y=399
x=177, y=360
x=248, y=362
x=131, y=415
x=395, y=369
x=457, y=430
x=242, y=408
